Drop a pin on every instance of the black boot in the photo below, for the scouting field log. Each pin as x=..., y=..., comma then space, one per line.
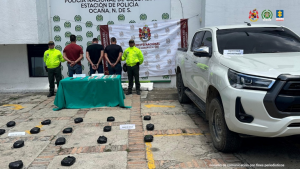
x=138, y=92
x=50, y=94
x=129, y=92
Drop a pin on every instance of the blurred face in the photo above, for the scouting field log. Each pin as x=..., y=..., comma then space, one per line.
x=131, y=44
x=51, y=46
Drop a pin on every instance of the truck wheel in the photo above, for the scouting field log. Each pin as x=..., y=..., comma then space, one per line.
x=223, y=139
x=182, y=97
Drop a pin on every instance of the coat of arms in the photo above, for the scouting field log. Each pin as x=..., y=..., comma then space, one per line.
x=145, y=34
x=169, y=61
x=253, y=16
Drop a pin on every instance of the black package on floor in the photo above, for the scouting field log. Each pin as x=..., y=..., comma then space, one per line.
x=102, y=140
x=148, y=138
x=46, y=122
x=16, y=165
x=35, y=130
x=68, y=161
x=68, y=130
x=78, y=120
x=150, y=126
x=60, y=141
x=107, y=128
x=147, y=117
x=11, y=124
x=2, y=131
x=110, y=118
x=18, y=144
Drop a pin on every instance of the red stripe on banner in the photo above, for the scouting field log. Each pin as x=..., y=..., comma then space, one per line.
x=184, y=33
x=104, y=33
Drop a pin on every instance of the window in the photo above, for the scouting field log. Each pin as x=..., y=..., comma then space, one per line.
x=36, y=60
x=197, y=40
x=258, y=40
x=207, y=40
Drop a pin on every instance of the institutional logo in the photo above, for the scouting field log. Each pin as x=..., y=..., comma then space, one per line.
x=168, y=41
x=79, y=38
x=121, y=17
x=132, y=21
x=58, y=47
x=68, y=34
x=98, y=27
x=143, y=17
x=67, y=24
x=57, y=38
x=89, y=34
x=144, y=78
x=267, y=15
x=279, y=15
x=56, y=18
x=88, y=43
x=121, y=33
x=67, y=43
x=99, y=37
x=167, y=30
x=146, y=63
x=99, y=18
x=110, y=23
x=56, y=28
x=82, y=67
x=78, y=28
x=165, y=16
x=89, y=24
x=169, y=61
x=253, y=15
x=77, y=18
x=166, y=77
x=145, y=34
x=158, y=66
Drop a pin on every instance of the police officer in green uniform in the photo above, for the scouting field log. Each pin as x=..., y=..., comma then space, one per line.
x=53, y=58
x=134, y=58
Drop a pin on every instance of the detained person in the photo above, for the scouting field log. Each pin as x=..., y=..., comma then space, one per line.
x=94, y=55
x=113, y=55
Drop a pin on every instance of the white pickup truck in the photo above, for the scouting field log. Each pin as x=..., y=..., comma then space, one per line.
x=245, y=79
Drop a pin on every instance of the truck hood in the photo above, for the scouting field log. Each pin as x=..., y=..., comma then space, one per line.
x=265, y=64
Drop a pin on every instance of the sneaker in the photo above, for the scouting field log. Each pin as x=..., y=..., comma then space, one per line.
x=50, y=94
x=129, y=92
x=138, y=92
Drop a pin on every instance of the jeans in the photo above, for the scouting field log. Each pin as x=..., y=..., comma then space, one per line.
x=116, y=70
x=133, y=71
x=100, y=69
x=75, y=69
x=54, y=73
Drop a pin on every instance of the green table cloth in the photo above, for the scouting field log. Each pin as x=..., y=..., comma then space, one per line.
x=89, y=93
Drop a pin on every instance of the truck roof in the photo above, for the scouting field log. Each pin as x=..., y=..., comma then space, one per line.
x=240, y=26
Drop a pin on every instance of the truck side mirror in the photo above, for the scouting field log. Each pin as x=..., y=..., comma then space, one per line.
x=203, y=51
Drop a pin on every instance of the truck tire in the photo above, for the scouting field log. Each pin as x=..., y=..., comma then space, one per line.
x=182, y=97
x=223, y=139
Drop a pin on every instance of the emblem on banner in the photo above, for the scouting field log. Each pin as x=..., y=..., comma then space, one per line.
x=168, y=41
x=121, y=17
x=169, y=61
x=89, y=24
x=147, y=73
x=68, y=34
x=157, y=56
x=82, y=67
x=98, y=27
x=132, y=27
x=57, y=38
x=77, y=18
x=67, y=43
x=121, y=33
x=166, y=77
x=167, y=30
x=122, y=44
x=145, y=53
x=79, y=38
x=99, y=37
x=88, y=43
x=132, y=21
x=253, y=15
x=133, y=37
x=56, y=18
x=267, y=15
x=78, y=28
x=56, y=28
x=110, y=23
x=145, y=34
x=279, y=15
x=165, y=16
x=168, y=51
x=58, y=47
x=67, y=24
x=170, y=71
x=156, y=36
x=158, y=66
x=143, y=17
x=146, y=63
x=99, y=18
x=144, y=78
x=155, y=25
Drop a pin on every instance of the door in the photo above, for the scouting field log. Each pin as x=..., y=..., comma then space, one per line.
x=196, y=43
x=201, y=68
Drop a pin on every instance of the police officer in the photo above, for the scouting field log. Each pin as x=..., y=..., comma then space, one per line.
x=53, y=58
x=134, y=58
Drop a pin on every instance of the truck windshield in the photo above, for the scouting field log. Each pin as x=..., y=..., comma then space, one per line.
x=258, y=40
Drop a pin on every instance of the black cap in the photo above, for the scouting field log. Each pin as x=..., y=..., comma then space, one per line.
x=131, y=41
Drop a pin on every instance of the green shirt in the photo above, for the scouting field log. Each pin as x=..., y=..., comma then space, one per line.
x=132, y=55
x=52, y=58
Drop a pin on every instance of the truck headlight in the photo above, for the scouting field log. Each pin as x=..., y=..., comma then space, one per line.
x=242, y=81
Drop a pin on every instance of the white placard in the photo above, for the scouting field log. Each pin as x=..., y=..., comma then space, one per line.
x=233, y=52
x=79, y=75
x=100, y=74
x=16, y=134
x=127, y=126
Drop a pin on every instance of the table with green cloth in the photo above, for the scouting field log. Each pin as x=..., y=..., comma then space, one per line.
x=80, y=93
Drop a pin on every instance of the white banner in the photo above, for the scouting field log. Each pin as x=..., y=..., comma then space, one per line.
x=157, y=40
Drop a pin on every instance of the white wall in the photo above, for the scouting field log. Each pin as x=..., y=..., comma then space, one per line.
x=24, y=22
x=228, y=12
x=14, y=65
